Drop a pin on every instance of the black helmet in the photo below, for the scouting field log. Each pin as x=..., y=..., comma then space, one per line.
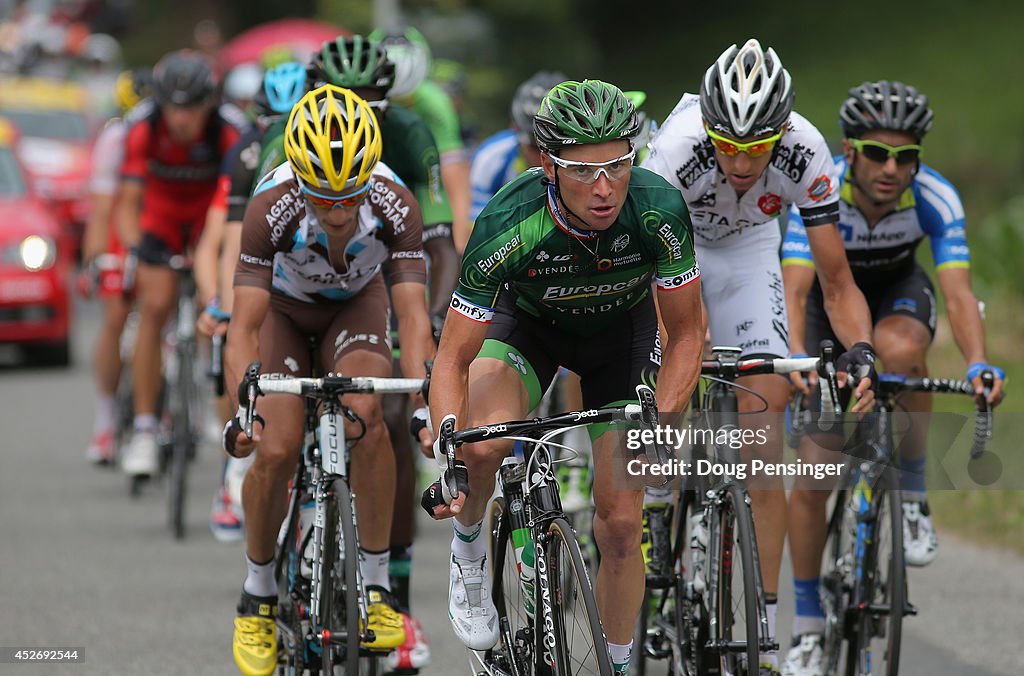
x=352, y=63
x=183, y=78
x=885, y=105
x=528, y=97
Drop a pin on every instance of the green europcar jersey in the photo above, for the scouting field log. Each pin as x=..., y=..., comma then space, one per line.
x=580, y=285
x=434, y=107
x=409, y=150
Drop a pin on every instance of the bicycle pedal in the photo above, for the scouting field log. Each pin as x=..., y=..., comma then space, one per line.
x=909, y=609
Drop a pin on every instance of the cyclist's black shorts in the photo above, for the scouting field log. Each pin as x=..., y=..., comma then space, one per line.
x=610, y=364
x=911, y=296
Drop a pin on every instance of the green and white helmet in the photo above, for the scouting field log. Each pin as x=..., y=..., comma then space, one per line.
x=588, y=111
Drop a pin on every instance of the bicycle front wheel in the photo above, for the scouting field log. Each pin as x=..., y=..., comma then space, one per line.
x=735, y=589
x=182, y=438
x=335, y=589
x=877, y=629
x=578, y=645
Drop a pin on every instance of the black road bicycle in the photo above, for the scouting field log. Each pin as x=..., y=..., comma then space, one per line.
x=709, y=615
x=321, y=599
x=547, y=612
x=863, y=581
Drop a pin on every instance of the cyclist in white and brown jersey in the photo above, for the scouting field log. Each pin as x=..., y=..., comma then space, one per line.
x=314, y=239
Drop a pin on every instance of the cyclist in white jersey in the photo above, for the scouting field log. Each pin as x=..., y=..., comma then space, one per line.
x=740, y=155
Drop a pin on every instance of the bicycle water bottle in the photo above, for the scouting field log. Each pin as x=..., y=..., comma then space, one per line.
x=511, y=474
x=698, y=548
x=522, y=540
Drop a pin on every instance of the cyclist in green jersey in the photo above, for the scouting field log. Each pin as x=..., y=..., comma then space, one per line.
x=558, y=271
x=411, y=54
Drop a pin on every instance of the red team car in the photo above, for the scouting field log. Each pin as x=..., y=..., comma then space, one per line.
x=35, y=265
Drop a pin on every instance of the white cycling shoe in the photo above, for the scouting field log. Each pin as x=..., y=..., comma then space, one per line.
x=806, y=657
x=142, y=456
x=470, y=607
x=920, y=544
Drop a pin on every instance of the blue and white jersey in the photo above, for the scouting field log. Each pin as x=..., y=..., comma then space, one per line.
x=929, y=207
x=496, y=162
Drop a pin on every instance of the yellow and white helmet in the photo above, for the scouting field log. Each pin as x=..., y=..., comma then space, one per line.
x=332, y=140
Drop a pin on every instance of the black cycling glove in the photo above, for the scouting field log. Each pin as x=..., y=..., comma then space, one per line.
x=859, y=362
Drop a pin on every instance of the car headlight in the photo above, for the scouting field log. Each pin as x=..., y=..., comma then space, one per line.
x=37, y=253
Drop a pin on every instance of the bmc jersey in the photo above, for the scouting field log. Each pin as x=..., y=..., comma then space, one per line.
x=496, y=162
x=884, y=253
x=801, y=173
x=180, y=179
x=579, y=285
x=285, y=249
x=409, y=151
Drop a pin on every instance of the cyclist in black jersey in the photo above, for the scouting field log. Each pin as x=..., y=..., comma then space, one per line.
x=558, y=271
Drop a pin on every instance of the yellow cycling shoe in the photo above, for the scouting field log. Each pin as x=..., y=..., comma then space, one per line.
x=255, y=642
x=384, y=620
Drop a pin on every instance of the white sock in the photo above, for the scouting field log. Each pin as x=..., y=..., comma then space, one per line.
x=145, y=422
x=657, y=496
x=105, y=407
x=619, y=652
x=374, y=567
x=808, y=625
x=260, y=580
x=466, y=541
x=771, y=609
x=771, y=657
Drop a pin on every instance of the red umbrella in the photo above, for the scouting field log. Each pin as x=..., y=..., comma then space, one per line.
x=301, y=36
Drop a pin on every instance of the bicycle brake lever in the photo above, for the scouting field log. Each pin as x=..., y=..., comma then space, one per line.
x=831, y=412
x=248, y=390
x=445, y=457
x=983, y=418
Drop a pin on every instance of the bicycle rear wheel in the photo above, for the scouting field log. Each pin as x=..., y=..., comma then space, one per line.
x=335, y=586
x=292, y=593
x=736, y=595
x=877, y=625
x=579, y=643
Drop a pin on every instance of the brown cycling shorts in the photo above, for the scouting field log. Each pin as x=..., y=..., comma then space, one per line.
x=359, y=323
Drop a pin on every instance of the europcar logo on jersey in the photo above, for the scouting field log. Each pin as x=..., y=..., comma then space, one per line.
x=471, y=310
x=570, y=292
x=620, y=243
x=499, y=256
x=820, y=188
x=770, y=204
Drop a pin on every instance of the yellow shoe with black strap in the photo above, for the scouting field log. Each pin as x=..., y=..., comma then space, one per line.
x=255, y=641
x=384, y=620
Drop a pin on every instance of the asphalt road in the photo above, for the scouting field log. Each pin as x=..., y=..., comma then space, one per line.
x=82, y=564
